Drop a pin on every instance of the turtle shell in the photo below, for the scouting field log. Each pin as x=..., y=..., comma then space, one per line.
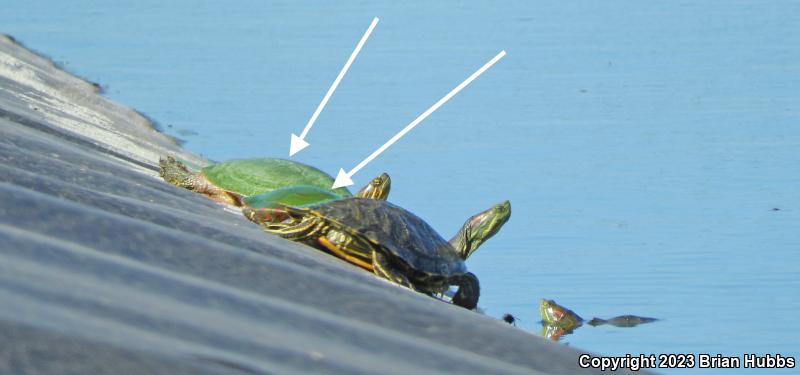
x=296, y=196
x=395, y=230
x=261, y=175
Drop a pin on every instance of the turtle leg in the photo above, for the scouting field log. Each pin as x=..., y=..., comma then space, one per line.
x=382, y=268
x=340, y=251
x=469, y=291
x=176, y=173
x=352, y=249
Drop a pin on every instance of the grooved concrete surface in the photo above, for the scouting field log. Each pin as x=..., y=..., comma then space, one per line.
x=105, y=269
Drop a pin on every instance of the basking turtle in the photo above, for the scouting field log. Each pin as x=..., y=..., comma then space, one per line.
x=475, y=231
x=379, y=237
x=234, y=181
x=558, y=320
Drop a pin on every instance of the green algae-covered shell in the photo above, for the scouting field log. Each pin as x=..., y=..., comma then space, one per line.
x=262, y=175
x=295, y=196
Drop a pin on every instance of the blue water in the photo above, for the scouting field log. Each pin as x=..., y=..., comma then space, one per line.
x=650, y=150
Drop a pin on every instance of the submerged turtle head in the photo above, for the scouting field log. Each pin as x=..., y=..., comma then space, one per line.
x=378, y=188
x=479, y=228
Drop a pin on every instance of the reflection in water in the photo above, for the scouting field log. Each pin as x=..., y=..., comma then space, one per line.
x=554, y=333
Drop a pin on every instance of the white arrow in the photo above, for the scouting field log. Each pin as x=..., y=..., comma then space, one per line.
x=345, y=178
x=298, y=143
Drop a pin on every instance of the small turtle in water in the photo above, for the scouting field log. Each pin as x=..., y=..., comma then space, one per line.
x=389, y=241
x=244, y=182
x=558, y=320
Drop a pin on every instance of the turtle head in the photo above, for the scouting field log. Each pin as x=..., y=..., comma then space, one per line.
x=173, y=171
x=378, y=188
x=550, y=311
x=557, y=315
x=479, y=228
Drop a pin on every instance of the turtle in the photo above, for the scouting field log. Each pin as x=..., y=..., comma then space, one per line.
x=475, y=231
x=558, y=320
x=380, y=237
x=233, y=181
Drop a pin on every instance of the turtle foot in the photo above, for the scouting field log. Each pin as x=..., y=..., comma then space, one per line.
x=469, y=291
